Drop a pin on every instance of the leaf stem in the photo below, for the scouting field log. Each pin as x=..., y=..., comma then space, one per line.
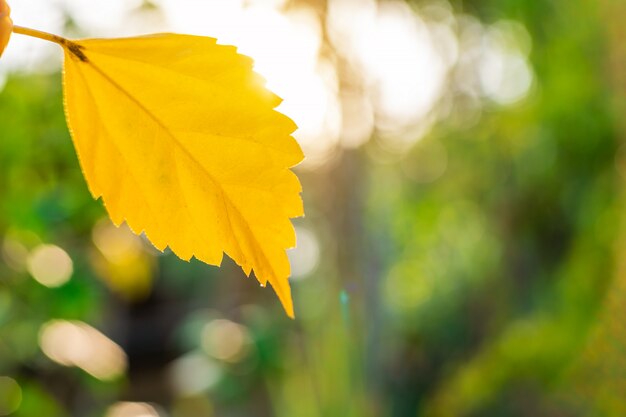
x=41, y=35
x=74, y=48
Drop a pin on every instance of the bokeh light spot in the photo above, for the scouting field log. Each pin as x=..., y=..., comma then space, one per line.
x=305, y=256
x=50, y=265
x=505, y=73
x=193, y=374
x=123, y=263
x=226, y=340
x=10, y=395
x=14, y=253
x=115, y=243
x=74, y=343
x=131, y=409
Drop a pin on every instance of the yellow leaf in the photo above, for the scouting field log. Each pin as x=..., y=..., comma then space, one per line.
x=181, y=140
x=6, y=25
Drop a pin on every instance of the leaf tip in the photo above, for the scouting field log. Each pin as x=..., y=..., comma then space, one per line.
x=284, y=295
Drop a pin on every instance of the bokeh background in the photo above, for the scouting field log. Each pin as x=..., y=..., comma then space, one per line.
x=462, y=253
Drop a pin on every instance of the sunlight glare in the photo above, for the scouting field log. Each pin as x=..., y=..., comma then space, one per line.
x=400, y=57
x=403, y=59
x=32, y=55
x=285, y=47
x=102, y=18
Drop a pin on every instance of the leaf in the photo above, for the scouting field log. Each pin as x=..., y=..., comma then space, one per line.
x=181, y=140
x=6, y=25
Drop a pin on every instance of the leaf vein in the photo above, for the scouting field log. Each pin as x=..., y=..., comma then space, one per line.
x=227, y=198
x=104, y=127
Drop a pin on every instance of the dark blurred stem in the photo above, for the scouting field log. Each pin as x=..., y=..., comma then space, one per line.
x=39, y=34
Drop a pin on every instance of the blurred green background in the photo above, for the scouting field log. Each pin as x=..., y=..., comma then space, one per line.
x=462, y=254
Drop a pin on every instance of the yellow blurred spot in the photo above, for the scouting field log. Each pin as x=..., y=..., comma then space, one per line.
x=196, y=406
x=14, y=254
x=74, y=343
x=122, y=261
x=129, y=409
x=10, y=395
x=50, y=265
x=115, y=243
x=225, y=340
